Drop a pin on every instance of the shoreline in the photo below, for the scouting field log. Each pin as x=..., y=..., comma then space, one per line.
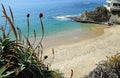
x=73, y=36
x=83, y=56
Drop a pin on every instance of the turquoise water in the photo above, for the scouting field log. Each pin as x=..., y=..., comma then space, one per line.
x=54, y=12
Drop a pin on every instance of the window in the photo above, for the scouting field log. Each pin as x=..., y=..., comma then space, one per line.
x=119, y=5
x=115, y=4
x=108, y=4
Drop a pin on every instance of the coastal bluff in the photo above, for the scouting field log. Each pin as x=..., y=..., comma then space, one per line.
x=100, y=15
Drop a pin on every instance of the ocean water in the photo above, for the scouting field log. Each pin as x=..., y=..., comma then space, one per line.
x=54, y=12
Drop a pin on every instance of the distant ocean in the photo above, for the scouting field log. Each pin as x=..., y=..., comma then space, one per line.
x=54, y=12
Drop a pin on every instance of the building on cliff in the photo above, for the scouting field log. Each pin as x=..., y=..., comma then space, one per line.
x=113, y=5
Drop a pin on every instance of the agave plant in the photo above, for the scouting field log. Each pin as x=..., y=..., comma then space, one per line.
x=19, y=57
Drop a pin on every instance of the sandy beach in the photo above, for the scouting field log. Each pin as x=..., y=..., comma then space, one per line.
x=83, y=56
x=73, y=36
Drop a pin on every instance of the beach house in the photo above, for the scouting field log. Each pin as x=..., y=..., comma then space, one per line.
x=113, y=5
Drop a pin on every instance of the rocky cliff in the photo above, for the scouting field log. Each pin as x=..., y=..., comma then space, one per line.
x=99, y=15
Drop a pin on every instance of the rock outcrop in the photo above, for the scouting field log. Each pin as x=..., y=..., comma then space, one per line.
x=114, y=19
x=99, y=15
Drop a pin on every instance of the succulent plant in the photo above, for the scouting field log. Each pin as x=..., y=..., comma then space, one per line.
x=18, y=56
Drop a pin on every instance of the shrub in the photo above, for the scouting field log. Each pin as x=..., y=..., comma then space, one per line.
x=19, y=58
x=107, y=69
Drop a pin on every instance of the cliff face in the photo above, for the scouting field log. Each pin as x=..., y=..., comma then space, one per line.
x=100, y=14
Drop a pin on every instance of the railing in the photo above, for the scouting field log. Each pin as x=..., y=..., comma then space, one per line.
x=115, y=7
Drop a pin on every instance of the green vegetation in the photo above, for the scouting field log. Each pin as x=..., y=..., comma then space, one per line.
x=19, y=58
x=107, y=69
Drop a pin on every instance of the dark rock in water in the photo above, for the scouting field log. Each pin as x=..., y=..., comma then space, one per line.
x=100, y=14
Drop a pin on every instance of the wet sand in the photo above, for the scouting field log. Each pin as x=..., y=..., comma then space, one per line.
x=73, y=36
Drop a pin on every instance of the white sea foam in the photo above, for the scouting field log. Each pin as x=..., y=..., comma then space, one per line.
x=65, y=17
x=61, y=18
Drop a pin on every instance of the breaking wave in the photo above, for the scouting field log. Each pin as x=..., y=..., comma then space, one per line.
x=65, y=17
